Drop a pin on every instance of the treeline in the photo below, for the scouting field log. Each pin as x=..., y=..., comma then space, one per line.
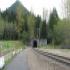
x=7, y=31
x=24, y=25
x=59, y=30
x=7, y=26
x=21, y=25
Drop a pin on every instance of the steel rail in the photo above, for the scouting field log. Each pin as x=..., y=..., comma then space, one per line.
x=61, y=59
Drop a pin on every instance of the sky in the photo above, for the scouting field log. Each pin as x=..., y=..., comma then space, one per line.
x=36, y=5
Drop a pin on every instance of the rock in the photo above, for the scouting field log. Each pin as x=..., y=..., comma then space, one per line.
x=2, y=62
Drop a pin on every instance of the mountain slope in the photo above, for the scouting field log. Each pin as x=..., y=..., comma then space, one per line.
x=14, y=7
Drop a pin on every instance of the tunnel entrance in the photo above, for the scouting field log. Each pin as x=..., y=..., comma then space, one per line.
x=34, y=44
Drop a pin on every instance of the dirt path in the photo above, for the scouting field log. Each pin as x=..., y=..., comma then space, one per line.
x=40, y=62
x=19, y=62
x=28, y=59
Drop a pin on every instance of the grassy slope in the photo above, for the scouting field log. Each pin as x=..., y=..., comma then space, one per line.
x=10, y=45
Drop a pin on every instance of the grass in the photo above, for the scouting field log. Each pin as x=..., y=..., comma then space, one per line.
x=7, y=46
x=50, y=46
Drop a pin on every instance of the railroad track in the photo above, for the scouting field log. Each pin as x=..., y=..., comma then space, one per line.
x=61, y=59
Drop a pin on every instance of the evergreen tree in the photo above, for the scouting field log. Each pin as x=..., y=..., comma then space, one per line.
x=43, y=30
x=31, y=25
x=53, y=20
x=19, y=20
x=25, y=26
x=37, y=26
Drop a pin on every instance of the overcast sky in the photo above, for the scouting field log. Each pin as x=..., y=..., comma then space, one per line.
x=36, y=5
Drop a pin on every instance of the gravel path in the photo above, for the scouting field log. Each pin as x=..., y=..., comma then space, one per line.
x=40, y=62
x=19, y=62
x=31, y=60
x=60, y=52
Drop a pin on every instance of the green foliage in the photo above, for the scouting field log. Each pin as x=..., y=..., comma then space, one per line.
x=53, y=20
x=8, y=46
x=25, y=37
x=25, y=26
x=37, y=26
x=13, y=22
x=2, y=25
x=43, y=30
x=7, y=30
x=62, y=32
x=10, y=32
x=17, y=23
x=31, y=24
x=19, y=19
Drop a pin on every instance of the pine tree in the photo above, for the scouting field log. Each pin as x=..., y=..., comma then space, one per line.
x=31, y=25
x=37, y=26
x=53, y=19
x=43, y=30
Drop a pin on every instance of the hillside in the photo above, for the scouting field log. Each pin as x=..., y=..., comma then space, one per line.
x=13, y=7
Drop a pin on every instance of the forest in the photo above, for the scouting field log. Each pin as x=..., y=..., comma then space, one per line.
x=17, y=23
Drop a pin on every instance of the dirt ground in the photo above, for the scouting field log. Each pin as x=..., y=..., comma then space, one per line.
x=28, y=59
x=40, y=62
